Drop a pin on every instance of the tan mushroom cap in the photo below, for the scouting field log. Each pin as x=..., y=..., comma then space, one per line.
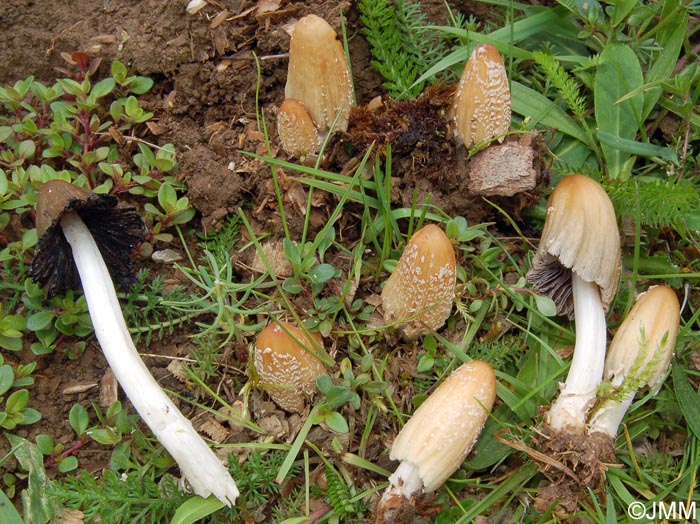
x=481, y=108
x=581, y=235
x=444, y=428
x=117, y=230
x=421, y=290
x=645, y=341
x=296, y=129
x=55, y=197
x=319, y=75
x=286, y=368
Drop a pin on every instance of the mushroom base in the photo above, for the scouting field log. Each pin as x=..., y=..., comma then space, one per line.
x=578, y=463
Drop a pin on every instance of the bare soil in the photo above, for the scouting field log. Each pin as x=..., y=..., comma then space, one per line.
x=205, y=68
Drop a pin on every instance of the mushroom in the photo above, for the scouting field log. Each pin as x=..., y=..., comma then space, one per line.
x=296, y=130
x=481, y=108
x=419, y=293
x=70, y=220
x=639, y=355
x=437, y=438
x=577, y=264
x=286, y=368
x=318, y=75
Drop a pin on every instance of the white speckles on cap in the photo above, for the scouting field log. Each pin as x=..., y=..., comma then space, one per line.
x=318, y=74
x=445, y=427
x=421, y=289
x=286, y=368
x=481, y=109
x=296, y=130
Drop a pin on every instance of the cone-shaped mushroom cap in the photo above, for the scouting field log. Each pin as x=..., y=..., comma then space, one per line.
x=580, y=235
x=286, y=368
x=296, y=130
x=481, y=109
x=319, y=75
x=444, y=428
x=423, y=284
x=643, y=345
x=117, y=230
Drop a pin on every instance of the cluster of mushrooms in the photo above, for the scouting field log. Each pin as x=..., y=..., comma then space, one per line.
x=88, y=238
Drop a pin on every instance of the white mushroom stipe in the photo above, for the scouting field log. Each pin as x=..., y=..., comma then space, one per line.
x=200, y=467
x=406, y=481
x=608, y=418
x=586, y=371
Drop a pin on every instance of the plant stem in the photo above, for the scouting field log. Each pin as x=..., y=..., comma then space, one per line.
x=202, y=469
x=568, y=412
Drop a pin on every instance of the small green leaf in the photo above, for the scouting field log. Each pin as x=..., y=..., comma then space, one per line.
x=545, y=305
x=7, y=377
x=118, y=71
x=336, y=422
x=79, y=419
x=17, y=401
x=40, y=320
x=102, y=88
x=26, y=149
x=8, y=513
x=141, y=85
x=322, y=273
x=68, y=464
x=105, y=436
x=196, y=508
x=45, y=443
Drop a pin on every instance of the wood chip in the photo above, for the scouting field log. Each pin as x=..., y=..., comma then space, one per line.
x=75, y=389
x=502, y=170
x=109, y=389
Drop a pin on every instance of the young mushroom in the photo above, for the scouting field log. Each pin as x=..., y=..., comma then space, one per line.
x=296, y=130
x=577, y=264
x=481, y=108
x=286, y=366
x=437, y=438
x=419, y=293
x=639, y=355
x=319, y=75
x=77, y=229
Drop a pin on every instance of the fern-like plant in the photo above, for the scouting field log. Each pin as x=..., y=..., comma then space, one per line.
x=403, y=48
x=660, y=203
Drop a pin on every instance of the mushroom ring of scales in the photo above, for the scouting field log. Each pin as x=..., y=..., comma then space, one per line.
x=88, y=239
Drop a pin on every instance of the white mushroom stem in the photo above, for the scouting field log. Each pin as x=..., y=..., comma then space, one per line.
x=608, y=417
x=200, y=467
x=405, y=481
x=568, y=412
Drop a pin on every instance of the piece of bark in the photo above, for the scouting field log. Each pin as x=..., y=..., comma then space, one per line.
x=502, y=170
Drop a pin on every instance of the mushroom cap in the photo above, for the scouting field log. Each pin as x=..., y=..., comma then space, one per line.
x=318, y=74
x=481, y=108
x=296, y=129
x=422, y=286
x=286, y=367
x=581, y=235
x=117, y=230
x=643, y=346
x=444, y=428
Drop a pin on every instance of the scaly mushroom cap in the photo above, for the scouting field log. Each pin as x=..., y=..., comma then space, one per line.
x=481, y=109
x=421, y=289
x=318, y=74
x=117, y=230
x=296, y=130
x=286, y=368
x=643, y=345
x=580, y=235
x=445, y=427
